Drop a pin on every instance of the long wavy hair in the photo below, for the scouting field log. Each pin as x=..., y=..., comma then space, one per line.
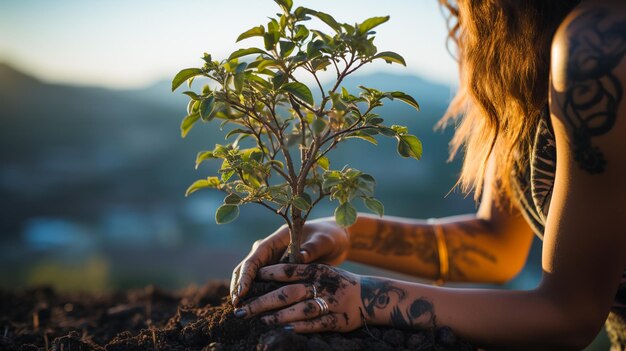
x=503, y=49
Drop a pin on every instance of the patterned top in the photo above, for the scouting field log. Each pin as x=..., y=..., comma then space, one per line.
x=535, y=186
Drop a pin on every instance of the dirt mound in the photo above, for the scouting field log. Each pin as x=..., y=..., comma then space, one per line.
x=196, y=318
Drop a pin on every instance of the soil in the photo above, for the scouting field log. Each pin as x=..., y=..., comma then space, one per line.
x=196, y=318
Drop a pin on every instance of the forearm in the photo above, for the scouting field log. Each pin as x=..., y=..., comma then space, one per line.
x=476, y=252
x=487, y=318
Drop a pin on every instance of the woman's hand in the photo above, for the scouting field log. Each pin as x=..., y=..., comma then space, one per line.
x=324, y=242
x=319, y=298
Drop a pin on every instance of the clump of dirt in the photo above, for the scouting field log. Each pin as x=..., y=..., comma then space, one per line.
x=196, y=318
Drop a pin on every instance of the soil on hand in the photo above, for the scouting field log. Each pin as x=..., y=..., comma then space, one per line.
x=196, y=318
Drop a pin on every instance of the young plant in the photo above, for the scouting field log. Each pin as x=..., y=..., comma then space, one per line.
x=287, y=129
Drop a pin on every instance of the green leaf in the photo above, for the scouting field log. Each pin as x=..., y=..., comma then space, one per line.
x=252, y=32
x=300, y=91
x=188, y=123
x=276, y=163
x=390, y=57
x=246, y=52
x=399, y=129
x=409, y=146
x=301, y=203
x=286, y=47
x=302, y=33
x=232, y=199
x=328, y=19
x=405, y=98
x=237, y=131
x=376, y=120
x=362, y=136
x=270, y=39
x=203, y=156
x=192, y=95
x=371, y=23
x=183, y=75
x=345, y=215
x=206, y=107
x=238, y=80
x=279, y=79
x=374, y=205
x=285, y=4
x=366, y=184
x=323, y=163
x=226, y=214
x=386, y=131
x=227, y=175
x=210, y=182
x=331, y=179
x=241, y=67
x=318, y=125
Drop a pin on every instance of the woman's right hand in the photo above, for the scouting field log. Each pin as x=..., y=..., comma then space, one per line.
x=323, y=242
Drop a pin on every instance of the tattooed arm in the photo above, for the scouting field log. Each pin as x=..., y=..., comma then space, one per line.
x=490, y=246
x=584, y=241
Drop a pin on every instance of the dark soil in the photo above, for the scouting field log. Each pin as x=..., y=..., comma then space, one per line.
x=196, y=318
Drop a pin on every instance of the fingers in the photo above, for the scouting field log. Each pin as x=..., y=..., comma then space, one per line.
x=285, y=296
x=263, y=252
x=328, y=322
x=233, y=285
x=247, y=273
x=291, y=272
x=303, y=310
x=320, y=245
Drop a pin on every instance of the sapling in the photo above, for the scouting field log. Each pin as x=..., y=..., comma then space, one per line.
x=258, y=94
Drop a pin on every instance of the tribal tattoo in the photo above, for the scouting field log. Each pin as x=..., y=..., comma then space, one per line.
x=593, y=92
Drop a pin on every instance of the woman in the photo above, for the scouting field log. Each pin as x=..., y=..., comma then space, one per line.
x=542, y=80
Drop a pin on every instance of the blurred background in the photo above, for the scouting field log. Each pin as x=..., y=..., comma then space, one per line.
x=92, y=166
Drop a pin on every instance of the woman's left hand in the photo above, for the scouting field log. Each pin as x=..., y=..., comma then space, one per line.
x=319, y=298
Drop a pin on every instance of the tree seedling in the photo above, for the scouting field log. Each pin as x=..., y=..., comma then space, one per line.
x=278, y=133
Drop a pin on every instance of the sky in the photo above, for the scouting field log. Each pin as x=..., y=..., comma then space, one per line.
x=134, y=43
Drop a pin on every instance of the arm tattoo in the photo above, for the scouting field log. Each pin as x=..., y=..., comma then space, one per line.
x=375, y=294
x=593, y=93
x=421, y=312
x=399, y=239
x=378, y=294
x=463, y=253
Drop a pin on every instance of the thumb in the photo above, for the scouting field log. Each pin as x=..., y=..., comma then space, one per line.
x=319, y=246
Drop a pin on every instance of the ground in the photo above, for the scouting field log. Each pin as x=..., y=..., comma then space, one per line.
x=195, y=318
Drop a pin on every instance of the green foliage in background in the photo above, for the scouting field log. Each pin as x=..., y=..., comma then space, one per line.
x=256, y=94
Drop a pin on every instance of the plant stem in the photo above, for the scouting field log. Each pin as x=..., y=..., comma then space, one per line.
x=295, y=236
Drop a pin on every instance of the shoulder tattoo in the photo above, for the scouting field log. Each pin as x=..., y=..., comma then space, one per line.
x=593, y=93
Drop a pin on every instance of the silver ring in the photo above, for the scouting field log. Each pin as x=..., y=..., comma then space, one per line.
x=314, y=290
x=323, y=305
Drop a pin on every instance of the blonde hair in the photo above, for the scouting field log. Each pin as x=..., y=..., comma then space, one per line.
x=503, y=48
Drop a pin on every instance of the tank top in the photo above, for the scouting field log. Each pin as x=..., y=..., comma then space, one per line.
x=535, y=186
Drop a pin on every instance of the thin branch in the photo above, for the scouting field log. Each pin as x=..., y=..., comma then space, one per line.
x=285, y=217
x=282, y=173
x=319, y=84
x=322, y=195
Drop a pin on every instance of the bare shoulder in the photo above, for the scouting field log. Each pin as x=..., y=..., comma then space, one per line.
x=588, y=73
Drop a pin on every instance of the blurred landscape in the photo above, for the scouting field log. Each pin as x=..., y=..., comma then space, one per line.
x=92, y=183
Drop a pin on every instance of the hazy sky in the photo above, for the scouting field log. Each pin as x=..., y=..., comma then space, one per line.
x=132, y=43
